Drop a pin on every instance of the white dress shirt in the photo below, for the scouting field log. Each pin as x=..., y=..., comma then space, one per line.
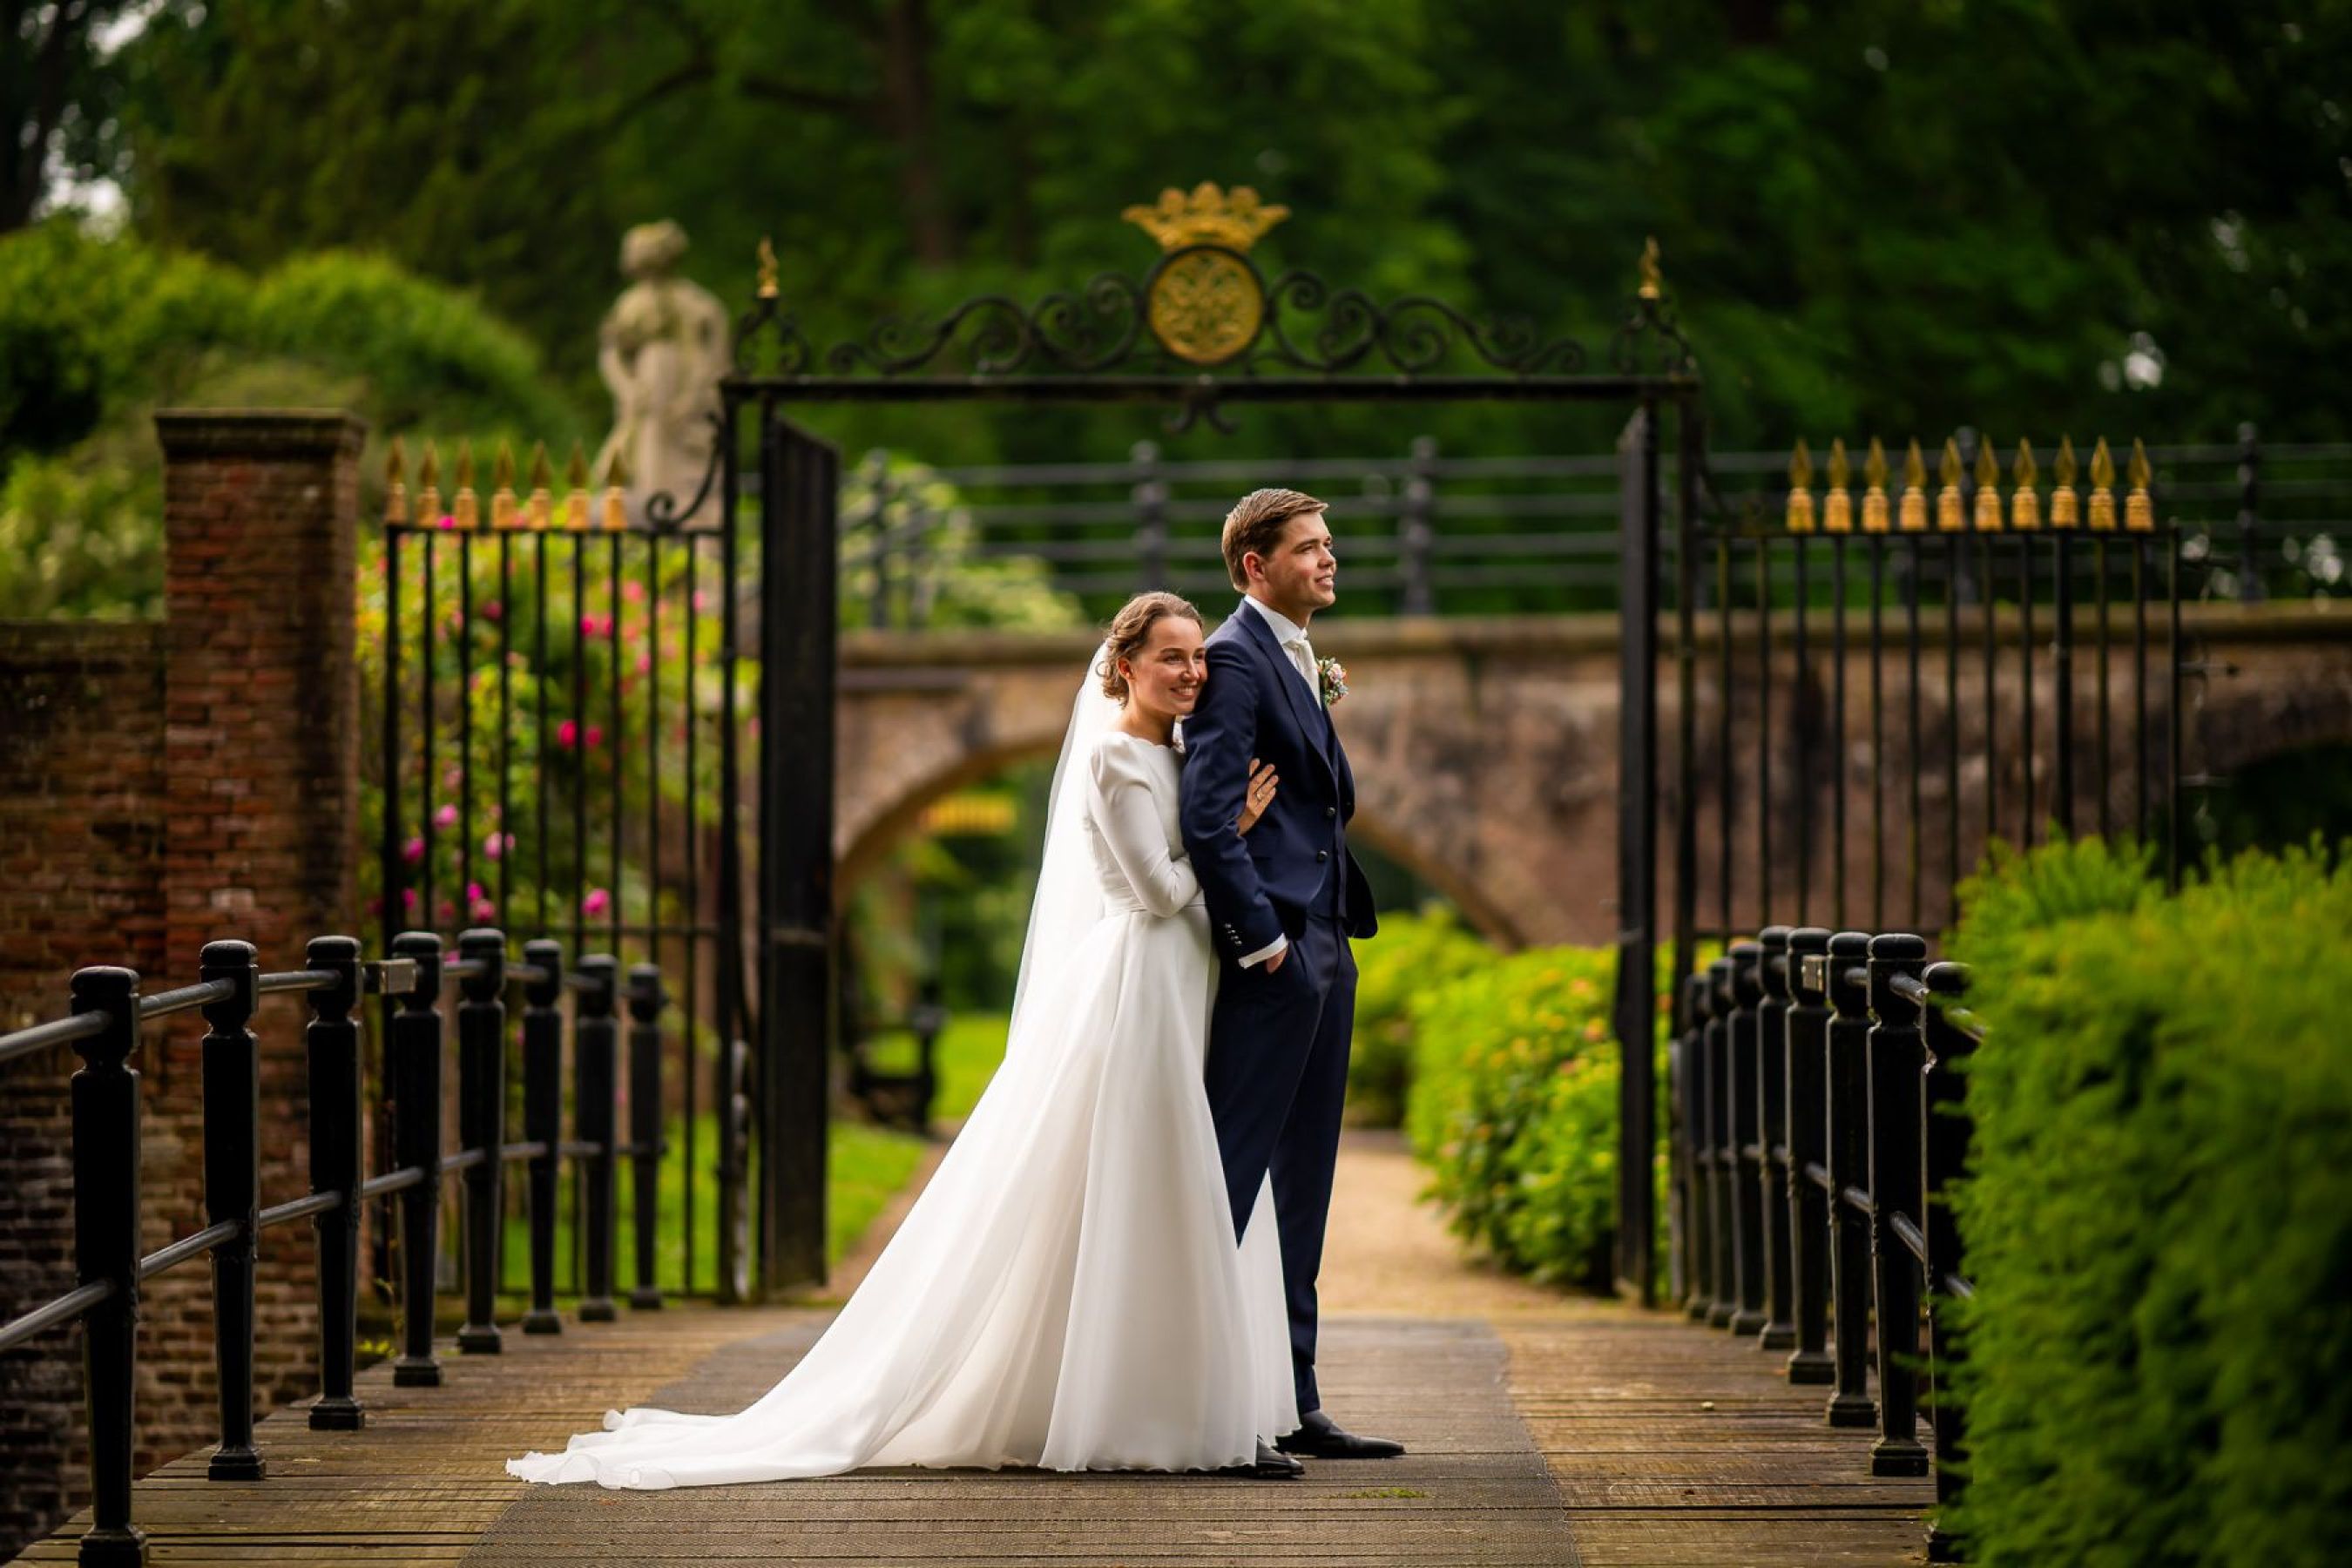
x=1293, y=639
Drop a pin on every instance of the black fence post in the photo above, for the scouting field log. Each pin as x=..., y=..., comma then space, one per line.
x=481, y=1127
x=542, y=1121
x=332, y=1054
x=1417, y=530
x=595, y=1088
x=106, y=1248
x=1808, y=1153
x=1724, y=1300
x=1741, y=996
x=646, y=1145
x=1898, y=1053
x=232, y=1123
x=1780, y=1330
x=2250, y=546
x=1149, y=492
x=1695, y=1160
x=1948, y=1131
x=1849, y=1404
x=413, y=1058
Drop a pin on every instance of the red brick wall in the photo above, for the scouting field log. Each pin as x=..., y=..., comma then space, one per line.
x=165, y=785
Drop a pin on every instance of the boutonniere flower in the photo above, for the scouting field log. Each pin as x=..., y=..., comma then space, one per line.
x=1334, y=676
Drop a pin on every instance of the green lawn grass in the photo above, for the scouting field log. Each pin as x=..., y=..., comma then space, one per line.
x=865, y=1166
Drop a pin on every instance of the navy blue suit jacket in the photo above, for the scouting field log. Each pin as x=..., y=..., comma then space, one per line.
x=1267, y=881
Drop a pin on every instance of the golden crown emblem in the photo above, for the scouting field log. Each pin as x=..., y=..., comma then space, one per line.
x=1236, y=219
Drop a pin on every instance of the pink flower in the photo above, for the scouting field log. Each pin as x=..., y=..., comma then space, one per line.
x=452, y=778
x=446, y=817
x=701, y=601
x=634, y=592
x=474, y=890
x=595, y=736
x=567, y=735
x=408, y=900
x=484, y=910
x=644, y=663
x=493, y=610
x=597, y=902
x=414, y=851
x=592, y=624
x=447, y=521
x=498, y=844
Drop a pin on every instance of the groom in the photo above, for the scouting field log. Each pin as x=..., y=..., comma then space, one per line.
x=1282, y=904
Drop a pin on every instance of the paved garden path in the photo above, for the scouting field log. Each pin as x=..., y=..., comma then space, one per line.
x=1545, y=1429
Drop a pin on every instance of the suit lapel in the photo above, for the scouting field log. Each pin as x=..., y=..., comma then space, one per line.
x=1286, y=676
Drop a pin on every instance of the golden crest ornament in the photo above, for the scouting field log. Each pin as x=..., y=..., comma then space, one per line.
x=1204, y=302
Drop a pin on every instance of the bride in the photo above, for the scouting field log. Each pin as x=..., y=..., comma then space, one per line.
x=1066, y=1292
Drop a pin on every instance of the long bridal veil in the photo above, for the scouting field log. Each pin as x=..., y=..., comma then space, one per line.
x=997, y=1326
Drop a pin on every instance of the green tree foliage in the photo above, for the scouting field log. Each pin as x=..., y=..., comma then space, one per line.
x=2158, y=1212
x=2125, y=215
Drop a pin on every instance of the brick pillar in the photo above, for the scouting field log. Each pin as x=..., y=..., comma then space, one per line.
x=260, y=805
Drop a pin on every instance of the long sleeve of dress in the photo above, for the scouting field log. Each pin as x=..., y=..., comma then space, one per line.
x=1129, y=816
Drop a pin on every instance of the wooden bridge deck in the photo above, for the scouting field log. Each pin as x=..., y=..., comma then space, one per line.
x=1544, y=1429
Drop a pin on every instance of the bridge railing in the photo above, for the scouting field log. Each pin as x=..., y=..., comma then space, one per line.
x=1820, y=1118
x=104, y=1027
x=1424, y=532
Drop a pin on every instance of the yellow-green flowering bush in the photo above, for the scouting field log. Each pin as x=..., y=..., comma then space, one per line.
x=1417, y=952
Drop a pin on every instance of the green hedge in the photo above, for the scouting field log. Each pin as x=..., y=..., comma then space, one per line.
x=2159, y=1213
x=1417, y=952
x=1514, y=1105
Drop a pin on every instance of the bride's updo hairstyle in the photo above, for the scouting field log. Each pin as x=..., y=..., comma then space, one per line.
x=1131, y=628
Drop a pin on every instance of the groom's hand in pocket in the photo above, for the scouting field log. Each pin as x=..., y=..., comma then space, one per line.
x=1275, y=962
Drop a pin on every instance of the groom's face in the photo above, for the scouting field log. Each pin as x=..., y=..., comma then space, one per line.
x=1302, y=573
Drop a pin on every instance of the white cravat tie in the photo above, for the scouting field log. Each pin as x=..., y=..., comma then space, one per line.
x=1302, y=655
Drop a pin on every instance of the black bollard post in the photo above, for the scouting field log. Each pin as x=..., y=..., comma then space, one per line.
x=1780, y=1329
x=231, y=1070
x=1849, y=1404
x=1747, y=1153
x=1897, y=1107
x=542, y=1121
x=106, y=1250
x=331, y=1052
x=645, y=1145
x=1697, y=1164
x=594, y=1091
x=414, y=1066
x=1725, y=1299
x=1809, y=1216
x=481, y=1126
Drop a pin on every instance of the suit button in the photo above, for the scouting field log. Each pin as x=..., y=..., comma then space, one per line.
x=1322, y=854
x=1330, y=811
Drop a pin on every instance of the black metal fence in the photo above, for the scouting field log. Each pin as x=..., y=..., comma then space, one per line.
x=1424, y=532
x=414, y=980
x=1818, y=1116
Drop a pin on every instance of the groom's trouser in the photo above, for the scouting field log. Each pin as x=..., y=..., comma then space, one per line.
x=1277, y=1080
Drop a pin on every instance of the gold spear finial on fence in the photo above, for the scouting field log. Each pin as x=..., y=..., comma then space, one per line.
x=1654, y=278
x=616, y=479
x=395, y=483
x=1873, y=495
x=2102, y=487
x=540, y=508
x=2063, y=512
x=1837, y=511
x=1799, y=518
x=428, y=488
x=2139, y=510
x=1988, y=517
x=465, y=510
x=1948, y=498
x=575, y=496
x=2025, y=503
x=1911, y=513
x=502, y=495
x=767, y=269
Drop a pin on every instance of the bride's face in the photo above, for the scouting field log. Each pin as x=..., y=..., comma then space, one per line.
x=1164, y=677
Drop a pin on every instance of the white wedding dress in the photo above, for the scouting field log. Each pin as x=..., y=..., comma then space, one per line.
x=1066, y=1292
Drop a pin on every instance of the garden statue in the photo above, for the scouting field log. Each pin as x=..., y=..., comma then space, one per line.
x=662, y=348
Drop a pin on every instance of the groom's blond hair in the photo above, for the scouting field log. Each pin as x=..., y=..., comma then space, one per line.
x=1255, y=524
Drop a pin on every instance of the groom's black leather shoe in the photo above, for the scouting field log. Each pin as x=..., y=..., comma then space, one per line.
x=1319, y=1438
x=1268, y=1466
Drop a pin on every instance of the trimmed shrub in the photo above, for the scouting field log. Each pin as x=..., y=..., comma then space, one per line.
x=1417, y=952
x=2159, y=1213
x=1513, y=1104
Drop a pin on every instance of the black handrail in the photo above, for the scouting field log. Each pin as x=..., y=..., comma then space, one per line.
x=104, y=1029
x=1821, y=1120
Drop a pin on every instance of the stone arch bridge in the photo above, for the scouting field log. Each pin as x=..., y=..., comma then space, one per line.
x=1485, y=749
